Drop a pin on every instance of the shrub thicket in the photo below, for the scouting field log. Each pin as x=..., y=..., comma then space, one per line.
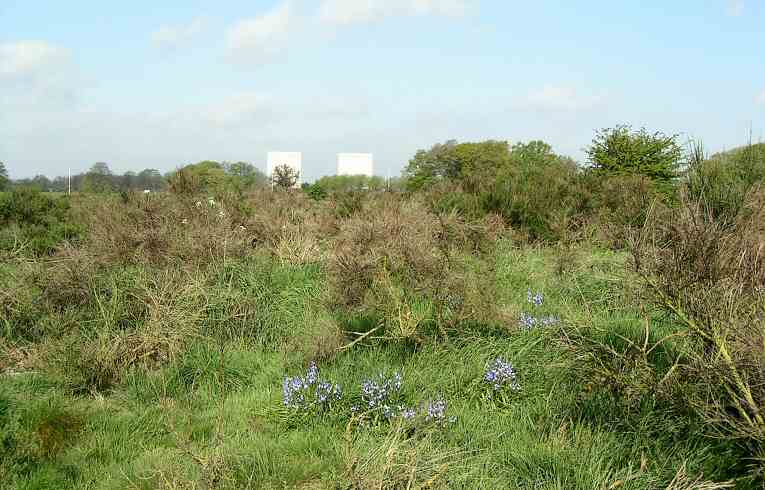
x=724, y=179
x=34, y=222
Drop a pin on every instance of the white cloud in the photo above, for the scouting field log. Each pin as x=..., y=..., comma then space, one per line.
x=352, y=11
x=259, y=37
x=558, y=98
x=175, y=35
x=251, y=109
x=760, y=99
x=36, y=76
x=736, y=7
x=239, y=109
x=30, y=59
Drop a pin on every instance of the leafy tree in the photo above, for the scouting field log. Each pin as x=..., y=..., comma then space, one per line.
x=473, y=164
x=536, y=190
x=128, y=180
x=620, y=151
x=42, y=221
x=98, y=179
x=149, y=178
x=431, y=166
x=481, y=163
x=59, y=184
x=243, y=175
x=4, y=180
x=41, y=182
x=537, y=153
x=100, y=168
x=285, y=177
x=207, y=175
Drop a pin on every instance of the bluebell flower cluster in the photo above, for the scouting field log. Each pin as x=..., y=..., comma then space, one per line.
x=534, y=298
x=377, y=392
x=435, y=412
x=326, y=391
x=528, y=321
x=380, y=396
x=408, y=413
x=501, y=373
x=305, y=392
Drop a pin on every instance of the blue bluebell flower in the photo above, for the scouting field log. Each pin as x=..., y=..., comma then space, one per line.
x=436, y=410
x=375, y=392
x=313, y=373
x=527, y=321
x=305, y=392
x=501, y=373
x=534, y=298
x=408, y=413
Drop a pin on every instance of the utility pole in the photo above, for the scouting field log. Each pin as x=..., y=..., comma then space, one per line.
x=69, y=181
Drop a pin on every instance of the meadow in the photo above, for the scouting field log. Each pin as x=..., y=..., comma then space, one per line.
x=375, y=340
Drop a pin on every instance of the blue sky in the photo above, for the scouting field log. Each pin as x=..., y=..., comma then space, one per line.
x=145, y=86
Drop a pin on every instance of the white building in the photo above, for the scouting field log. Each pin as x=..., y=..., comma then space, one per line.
x=355, y=164
x=293, y=159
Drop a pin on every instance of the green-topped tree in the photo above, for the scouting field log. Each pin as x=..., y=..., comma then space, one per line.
x=623, y=151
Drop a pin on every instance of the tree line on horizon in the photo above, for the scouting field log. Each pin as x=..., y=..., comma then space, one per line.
x=492, y=171
x=100, y=178
x=206, y=175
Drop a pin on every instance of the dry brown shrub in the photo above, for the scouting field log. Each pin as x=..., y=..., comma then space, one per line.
x=67, y=279
x=622, y=204
x=163, y=228
x=710, y=275
x=289, y=226
x=398, y=462
x=396, y=259
x=399, y=237
x=17, y=358
x=174, y=302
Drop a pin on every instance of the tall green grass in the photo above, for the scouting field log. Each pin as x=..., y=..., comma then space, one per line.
x=207, y=414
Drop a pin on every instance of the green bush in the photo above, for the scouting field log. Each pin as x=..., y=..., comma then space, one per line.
x=535, y=190
x=349, y=183
x=316, y=191
x=724, y=179
x=450, y=198
x=621, y=150
x=538, y=192
x=34, y=222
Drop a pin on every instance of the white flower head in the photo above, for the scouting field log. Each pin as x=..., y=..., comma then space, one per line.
x=221, y=214
x=185, y=221
x=242, y=228
x=199, y=204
